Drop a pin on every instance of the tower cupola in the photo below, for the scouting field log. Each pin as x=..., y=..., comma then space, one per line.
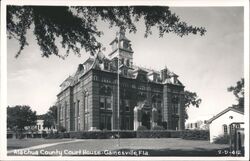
x=121, y=48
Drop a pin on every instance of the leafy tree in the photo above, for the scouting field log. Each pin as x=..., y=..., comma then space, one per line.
x=190, y=99
x=76, y=26
x=19, y=117
x=50, y=117
x=238, y=91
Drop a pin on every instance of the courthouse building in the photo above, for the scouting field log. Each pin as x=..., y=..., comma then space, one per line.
x=88, y=100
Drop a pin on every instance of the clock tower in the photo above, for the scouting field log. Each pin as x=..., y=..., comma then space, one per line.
x=121, y=48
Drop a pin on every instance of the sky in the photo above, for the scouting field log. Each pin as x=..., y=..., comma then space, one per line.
x=207, y=65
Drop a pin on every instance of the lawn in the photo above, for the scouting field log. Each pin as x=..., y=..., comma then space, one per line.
x=24, y=143
x=124, y=147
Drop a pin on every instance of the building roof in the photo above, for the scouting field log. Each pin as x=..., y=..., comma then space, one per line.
x=99, y=61
x=238, y=110
x=121, y=36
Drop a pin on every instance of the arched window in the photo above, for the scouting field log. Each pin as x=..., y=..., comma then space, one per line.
x=95, y=77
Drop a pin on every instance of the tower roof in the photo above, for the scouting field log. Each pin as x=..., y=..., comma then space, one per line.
x=121, y=36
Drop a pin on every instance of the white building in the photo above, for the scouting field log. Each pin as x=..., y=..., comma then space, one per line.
x=219, y=124
x=40, y=128
x=197, y=123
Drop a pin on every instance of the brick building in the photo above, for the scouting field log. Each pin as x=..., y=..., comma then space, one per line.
x=88, y=100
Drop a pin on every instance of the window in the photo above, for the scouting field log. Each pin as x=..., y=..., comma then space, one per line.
x=86, y=121
x=74, y=109
x=60, y=112
x=108, y=122
x=225, y=129
x=125, y=45
x=66, y=112
x=105, y=103
x=175, y=108
x=106, y=65
x=127, y=109
x=108, y=103
x=78, y=126
x=86, y=110
x=102, y=122
x=102, y=103
x=159, y=104
x=105, y=122
x=127, y=123
x=78, y=110
x=122, y=60
x=125, y=72
x=127, y=62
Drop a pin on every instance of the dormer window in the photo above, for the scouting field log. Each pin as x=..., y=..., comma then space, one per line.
x=127, y=62
x=106, y=65
x=122, y=60
x=125, y=72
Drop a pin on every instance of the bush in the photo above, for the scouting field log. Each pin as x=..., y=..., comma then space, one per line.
x=222, y=139
x=141, y=133
x=141, y=128
x=165, y=125
x=195, y=134
x=158, y=134
x=62, y=129
x=157, y=128
x=55, y=136
x=102, y=134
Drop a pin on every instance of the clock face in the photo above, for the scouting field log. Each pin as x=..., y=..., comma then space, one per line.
x=125, y=44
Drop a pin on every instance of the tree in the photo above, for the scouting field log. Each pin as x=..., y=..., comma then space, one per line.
x=50, y=118
x=76, y=26
x=190, y=98
x=238, y=91
x=19, y=117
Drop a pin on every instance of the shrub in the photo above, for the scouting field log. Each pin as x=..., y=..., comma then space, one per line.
x=195, y=134
x=158, y=134
x=102, y=134
x=62, y=129
x=222, y=139
x=141, y=128
x=157, y=128
x=55, y=136
x=165, y=124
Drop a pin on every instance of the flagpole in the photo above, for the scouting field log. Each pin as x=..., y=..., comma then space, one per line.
x=118, y=88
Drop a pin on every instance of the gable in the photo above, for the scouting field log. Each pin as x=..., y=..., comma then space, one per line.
x=225, y=113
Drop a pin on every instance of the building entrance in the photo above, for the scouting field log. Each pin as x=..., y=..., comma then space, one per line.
x=146, y=119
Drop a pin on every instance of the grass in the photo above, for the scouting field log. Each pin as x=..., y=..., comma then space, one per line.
x=154, y=147
x=24, y=143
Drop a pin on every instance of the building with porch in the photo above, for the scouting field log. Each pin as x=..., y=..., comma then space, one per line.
x=88, y=100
